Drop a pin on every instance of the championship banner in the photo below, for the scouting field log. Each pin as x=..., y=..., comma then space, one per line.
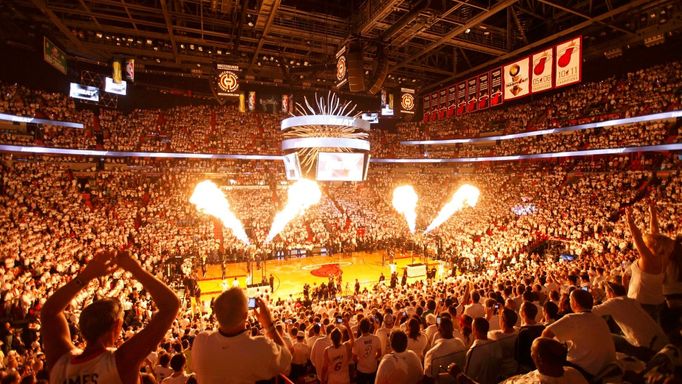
x=483, y=91
x=472, y=91
x=569, y=62
x=543, y=65
x=517, y=79
x=461, y=98
x=251, y=102
x=407, y=101
x=242, y=102
x=228, y=80
x=130, y=70
x=496, y=87
x=54, y=56
x=341, y=68
x=116, y=72
x=452, y=103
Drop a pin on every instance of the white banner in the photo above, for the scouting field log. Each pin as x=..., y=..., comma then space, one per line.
x=517, y=79
x=569, y=62
x=542, y=71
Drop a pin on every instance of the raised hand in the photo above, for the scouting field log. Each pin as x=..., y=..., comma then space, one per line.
x=102, y=264
x=126, y=261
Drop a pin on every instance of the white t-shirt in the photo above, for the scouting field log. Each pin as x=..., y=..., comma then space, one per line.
x=383, y=334
x=474, y=310
x=441, y=347
x=365, y=348
x=317, y=353
x=590, y=342
x=399, y=367
x=571, y=376
x=337, y=361
x=242, y=358
x=646, y=288
x=179, y=379
x=100, y=369
x=637, y=326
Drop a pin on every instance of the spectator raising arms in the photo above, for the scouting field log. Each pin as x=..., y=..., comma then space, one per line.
x=100, y=325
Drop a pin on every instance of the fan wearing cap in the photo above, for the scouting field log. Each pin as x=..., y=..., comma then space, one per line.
x=100, y=325
x=301, y=354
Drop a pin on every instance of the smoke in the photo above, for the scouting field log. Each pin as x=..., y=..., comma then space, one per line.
x=465, y=195
x=405, y=202
x=209, y=199
x=301, y=195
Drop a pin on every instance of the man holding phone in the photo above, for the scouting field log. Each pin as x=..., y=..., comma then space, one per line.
x=231, y=352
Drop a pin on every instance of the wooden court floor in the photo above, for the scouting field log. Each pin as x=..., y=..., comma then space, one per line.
x=290, y=275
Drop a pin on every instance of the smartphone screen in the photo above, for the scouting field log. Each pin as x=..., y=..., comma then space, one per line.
x=438, y=320
x=252, y=302
x=339, y=320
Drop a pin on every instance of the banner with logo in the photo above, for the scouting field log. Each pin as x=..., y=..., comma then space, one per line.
x=541, y=78
x=483, y=91
x=452, y=101
x=130, y=70
x=228, y=80
x=341, y=68
x=517, y=79
x=251, y=101
x=461, y=98
x=54, y=56
x=496, y=92
x=569, y=62
x=472, y=92
x=285, y=103
x=407, y=101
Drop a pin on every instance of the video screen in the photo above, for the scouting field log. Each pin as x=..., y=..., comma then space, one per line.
x=340, y=166
x=372, y=117
x=84, y=92
x=111, y=87
x=292, y=167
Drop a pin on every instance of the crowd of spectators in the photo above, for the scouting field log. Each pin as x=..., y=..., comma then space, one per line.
x=56, y=215
x=525, y=278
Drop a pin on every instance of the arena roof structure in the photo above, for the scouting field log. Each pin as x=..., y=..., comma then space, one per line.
x=418, y=43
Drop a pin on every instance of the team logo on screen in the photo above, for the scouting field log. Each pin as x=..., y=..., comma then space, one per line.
x=228, y=81
x=407, y=101
x=341, y=68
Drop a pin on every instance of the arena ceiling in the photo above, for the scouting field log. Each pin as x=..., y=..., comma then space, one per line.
x=426, y=42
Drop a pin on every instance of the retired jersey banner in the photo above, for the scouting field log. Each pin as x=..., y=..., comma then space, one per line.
x=517, y=79
x=543, y=64
x=130, y=70
x=461, y=98
x=228, y=80
x=483, y=91
x=569, y=62
x=452, y=101
x=54, y=56
x=443, y=98
x=472, y=92
x=496, y=91
x=427, y=103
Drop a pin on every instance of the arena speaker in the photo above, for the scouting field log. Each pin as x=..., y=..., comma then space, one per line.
x=381, y=73
x=356, y=71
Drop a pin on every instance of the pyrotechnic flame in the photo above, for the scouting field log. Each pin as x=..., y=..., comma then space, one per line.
x=405, y=202
x=302, y=195
x=465, y=195
x=210, y=200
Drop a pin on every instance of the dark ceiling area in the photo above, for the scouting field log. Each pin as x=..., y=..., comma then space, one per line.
x=422, y=43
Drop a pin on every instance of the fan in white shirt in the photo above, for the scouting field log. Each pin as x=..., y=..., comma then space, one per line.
x=401, y=365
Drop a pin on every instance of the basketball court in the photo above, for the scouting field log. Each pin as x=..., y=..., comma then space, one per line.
x=291, y=274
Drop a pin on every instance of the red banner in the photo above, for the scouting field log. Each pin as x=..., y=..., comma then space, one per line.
x=541, y=77
x=461, y=98
x=472, y=92
x=496, y=94
x=569, y=62
x=483, y=91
